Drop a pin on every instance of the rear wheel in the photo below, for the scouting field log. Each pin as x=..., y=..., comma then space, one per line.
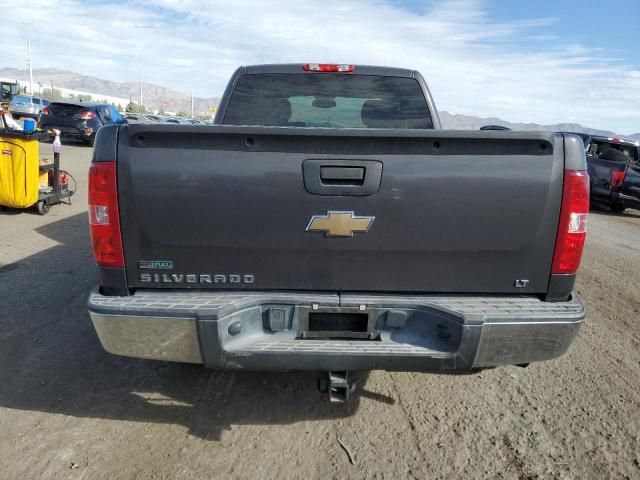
x=43, y=207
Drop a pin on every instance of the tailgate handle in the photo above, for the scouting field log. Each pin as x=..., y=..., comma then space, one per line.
x=342, y=177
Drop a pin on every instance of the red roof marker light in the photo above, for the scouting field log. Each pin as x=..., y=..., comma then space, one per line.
x=328, y=67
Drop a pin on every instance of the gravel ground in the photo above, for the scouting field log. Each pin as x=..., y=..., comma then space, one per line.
x=70, y=410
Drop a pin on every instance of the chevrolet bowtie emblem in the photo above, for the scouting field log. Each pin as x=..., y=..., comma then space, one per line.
x=339, y=224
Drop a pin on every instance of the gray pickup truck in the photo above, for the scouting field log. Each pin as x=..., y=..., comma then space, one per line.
x=326, y=222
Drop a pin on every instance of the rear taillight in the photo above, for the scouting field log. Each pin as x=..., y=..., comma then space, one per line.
x=45, y=111
x=87, y=115
x=104, y=221
x=572, y=229
x=328, y=67
x=617, y=178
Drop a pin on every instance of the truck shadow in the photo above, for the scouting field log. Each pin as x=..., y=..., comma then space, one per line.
x=9, y=211
x=600, y=209
x=51, y=359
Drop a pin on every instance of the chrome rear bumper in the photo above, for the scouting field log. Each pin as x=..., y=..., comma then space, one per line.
x=413, y=333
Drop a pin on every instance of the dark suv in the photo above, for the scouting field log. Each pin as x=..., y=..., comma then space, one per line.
x=79, y=120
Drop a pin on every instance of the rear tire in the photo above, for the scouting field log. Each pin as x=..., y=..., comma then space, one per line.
x=43, y=207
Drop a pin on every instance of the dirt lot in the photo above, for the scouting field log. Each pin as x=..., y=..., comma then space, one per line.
x=70, y=410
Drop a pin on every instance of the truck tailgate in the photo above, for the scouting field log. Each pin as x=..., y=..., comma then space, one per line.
x=443, y=211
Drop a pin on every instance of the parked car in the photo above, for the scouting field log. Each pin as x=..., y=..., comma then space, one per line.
x=175, y=120
x=79, y=120
x=133, y=118
x=371, y=242
x=614, y=172
x=27, y=106
x=153, y=118
x=495, y=127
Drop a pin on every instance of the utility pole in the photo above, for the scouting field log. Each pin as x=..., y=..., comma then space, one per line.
x=140, y=88
x=192, y=103
x=29, y=58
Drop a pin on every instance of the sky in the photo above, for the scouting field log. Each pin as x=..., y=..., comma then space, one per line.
x=537, y=61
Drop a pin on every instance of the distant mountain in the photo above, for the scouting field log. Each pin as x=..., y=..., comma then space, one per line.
x=469, y=122
x=153, y=96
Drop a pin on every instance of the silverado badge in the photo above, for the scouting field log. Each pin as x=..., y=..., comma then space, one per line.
x=339, y=224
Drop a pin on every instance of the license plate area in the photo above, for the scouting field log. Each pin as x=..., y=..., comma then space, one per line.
x=337, y=323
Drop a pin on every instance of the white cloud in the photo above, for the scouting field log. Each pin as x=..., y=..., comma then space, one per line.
x=520, y=71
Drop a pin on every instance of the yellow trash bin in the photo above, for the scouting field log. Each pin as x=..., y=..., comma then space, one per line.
x=19, y=170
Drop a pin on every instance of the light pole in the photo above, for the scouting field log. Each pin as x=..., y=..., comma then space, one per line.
x=29, y=58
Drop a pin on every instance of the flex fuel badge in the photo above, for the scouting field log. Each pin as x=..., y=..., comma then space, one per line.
x=156, y=264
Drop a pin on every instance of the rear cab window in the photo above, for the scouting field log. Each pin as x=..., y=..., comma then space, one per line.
x=615, y=152
x=328, y=100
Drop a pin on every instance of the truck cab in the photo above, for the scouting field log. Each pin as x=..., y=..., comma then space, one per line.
x=8, y=90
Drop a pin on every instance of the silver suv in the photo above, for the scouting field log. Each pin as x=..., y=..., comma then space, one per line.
x=27, y=106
